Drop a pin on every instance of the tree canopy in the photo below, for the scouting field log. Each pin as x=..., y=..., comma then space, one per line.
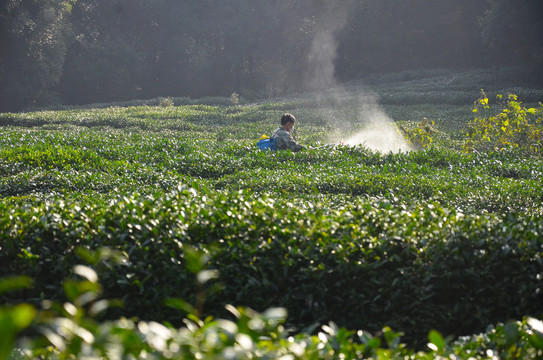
x=84, y=51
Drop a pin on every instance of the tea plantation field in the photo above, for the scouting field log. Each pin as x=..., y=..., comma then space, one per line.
x=125, y=226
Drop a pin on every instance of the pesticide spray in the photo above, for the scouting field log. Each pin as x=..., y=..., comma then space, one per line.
x=365, y=122
x=381, y=135
x=361, y=121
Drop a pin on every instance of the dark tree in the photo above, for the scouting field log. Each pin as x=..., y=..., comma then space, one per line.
x=33, y=37
x=394, y=35
x=104, y=60
x=513, y=33
x=84, y=51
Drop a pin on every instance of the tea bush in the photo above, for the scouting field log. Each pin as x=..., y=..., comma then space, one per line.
x=102, y=162
x=430, y=239
x=414, y=268
x=71, y=330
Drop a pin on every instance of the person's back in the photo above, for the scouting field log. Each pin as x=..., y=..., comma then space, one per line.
x=283, y=139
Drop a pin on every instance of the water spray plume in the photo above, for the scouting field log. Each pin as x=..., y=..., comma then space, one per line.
x=379, y=133
x=374, y=129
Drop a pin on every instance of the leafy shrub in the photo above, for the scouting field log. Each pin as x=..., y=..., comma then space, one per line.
x=234, y=98
x=365, y=264
x=72, y=329
x=422, y=135
x=515, y=126
x=166, y=102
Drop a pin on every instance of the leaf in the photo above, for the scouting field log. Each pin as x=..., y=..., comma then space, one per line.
x=22, y=315
x=180, y=304
x=15, y=283
x=437, y=343
x=86, y=272
x=195, y=260
x=205, y=275
x=81, y=292
x=12, y=321
x=536, y=324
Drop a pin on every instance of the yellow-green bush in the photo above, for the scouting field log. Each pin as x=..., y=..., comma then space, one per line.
x=422, y=135
x=515, y=126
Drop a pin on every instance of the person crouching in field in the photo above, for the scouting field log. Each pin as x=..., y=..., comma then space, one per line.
x=283, y=139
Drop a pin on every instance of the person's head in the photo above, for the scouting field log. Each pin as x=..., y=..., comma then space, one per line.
x=287, y=121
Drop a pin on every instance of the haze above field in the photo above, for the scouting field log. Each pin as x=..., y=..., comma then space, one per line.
x=87, y=51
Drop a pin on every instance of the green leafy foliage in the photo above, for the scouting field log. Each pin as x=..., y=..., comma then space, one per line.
x=176, y=212
x=413, y=268
x=422, y=135
x=515, y=126
x=13, y=318
x=71, y=330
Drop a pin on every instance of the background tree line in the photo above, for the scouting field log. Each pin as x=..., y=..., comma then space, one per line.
x=84, y=51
